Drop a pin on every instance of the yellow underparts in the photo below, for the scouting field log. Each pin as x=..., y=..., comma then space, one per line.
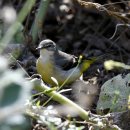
x=86, y=64
x=47, y=70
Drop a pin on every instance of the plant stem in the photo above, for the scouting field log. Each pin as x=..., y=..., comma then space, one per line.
x=86, y=115
x=39, y=19
x=15, y=26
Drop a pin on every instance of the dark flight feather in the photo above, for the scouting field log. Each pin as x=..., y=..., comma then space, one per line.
x=65, y=61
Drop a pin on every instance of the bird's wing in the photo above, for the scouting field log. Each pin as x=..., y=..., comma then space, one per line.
x=65, y=61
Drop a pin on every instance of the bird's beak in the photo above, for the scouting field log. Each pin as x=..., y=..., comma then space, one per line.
x=39, y=47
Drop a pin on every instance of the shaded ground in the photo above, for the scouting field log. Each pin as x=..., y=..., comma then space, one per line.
x=78, y=30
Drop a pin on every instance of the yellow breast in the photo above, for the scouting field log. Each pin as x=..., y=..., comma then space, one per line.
x=45, y=69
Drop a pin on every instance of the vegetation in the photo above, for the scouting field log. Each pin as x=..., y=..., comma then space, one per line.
x=101, y=101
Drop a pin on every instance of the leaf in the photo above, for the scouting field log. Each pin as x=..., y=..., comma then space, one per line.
x=55, y=81
x=10, y=94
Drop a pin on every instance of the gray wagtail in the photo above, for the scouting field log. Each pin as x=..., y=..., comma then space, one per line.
x=59, y=65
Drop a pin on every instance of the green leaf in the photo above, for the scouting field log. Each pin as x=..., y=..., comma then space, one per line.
x=10, y=94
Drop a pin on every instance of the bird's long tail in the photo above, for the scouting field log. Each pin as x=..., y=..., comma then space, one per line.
x=85, y=63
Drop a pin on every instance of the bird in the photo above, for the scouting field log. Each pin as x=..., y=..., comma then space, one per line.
x=56, y=64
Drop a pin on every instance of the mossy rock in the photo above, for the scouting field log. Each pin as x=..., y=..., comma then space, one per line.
x=114, y=95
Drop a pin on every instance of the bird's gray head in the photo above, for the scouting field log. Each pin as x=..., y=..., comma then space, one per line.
x=47, y=44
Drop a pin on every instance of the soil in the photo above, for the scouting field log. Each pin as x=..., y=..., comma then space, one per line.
x=81, y=31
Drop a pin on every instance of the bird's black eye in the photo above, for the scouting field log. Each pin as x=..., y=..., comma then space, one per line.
x=48, y=45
